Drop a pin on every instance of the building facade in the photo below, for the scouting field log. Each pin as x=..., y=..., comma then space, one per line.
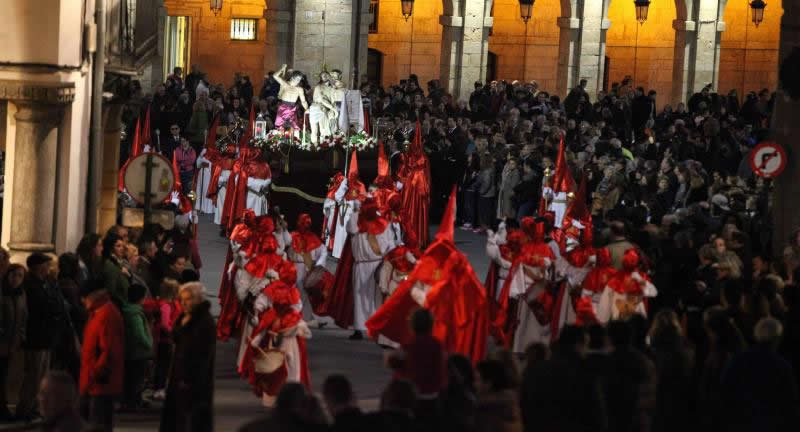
x=681, y=47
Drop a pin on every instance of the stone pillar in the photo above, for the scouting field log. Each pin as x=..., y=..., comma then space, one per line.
x=697, y=48
x=35, y=154
x=112, y=126
x=465, y=47
x=787, y=129
x=582, y=47
x=40, y=111
x=683, y=60
x=279, y=46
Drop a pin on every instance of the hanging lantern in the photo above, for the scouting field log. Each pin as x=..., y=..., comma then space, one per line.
x=408, y=8
x=758, y=6
x=216, y=6
x=525, y=10
x=642, y=7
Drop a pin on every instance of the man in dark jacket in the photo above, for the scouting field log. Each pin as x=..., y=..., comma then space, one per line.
x=190, y=394
x=341, y=402
x=45, y=313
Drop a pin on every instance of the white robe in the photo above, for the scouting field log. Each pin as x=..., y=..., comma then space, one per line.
x=365, y=266
x=257, y=195
x=203, y=204
x=607, y=310
x=319, y=256
x=493, y=243
x=574, y=277
x=338, y=227
x=529, y=330
x=222, y=187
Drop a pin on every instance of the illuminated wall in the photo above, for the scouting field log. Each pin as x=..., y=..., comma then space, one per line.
x=393, y=39
x=211, y=45
x=507, y=42
x=749, y=54
x=648, y=61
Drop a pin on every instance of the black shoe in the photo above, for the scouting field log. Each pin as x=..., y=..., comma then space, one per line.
x=356, y=336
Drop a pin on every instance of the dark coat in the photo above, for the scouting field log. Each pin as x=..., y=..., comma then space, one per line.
x=190, y=394
x=45, y=313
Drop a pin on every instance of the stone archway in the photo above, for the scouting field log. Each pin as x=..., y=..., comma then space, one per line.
x=465, y=46
x=581, y=51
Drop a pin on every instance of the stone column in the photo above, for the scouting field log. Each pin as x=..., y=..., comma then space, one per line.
x=683, y=60
x=35, y=154
x=279, y=46
x=582, y=47
x=112, y=126
x=40, y=111
x=464, y=47
x=787, y=129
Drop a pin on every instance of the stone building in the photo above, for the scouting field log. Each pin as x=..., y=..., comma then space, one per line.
x=681, y=47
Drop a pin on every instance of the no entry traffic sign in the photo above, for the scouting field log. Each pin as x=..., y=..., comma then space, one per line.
x=768, y=159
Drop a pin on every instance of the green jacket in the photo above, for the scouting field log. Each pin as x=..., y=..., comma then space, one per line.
x=198, y=124
x=138, y=340
x=116, y=282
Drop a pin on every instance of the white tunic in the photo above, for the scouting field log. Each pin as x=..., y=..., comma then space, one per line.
x=493, y=243
x=527, y=282
x=366, y=263
x=337, y=227
x=222, y=187
x=204, y=205
x=319, y=257
x=574, y=277
x=257, y=195
x=608, y=307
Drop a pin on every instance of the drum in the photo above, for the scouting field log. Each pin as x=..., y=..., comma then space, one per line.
x=268, y=361
x=318, y=284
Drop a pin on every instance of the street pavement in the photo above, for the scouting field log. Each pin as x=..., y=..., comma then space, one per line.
x=330, y=352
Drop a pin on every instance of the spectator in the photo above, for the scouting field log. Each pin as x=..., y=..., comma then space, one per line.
x=498, y=405
x=102, y=357
x=90, y=255
x=630, y=383
x=138, y=347
x=58, y=400
x=66, y=352
x=190, y=393
x=397, y=405
x=341, y=403
x=760, y=391
x=13, y=313
x=509, y=180
x=45, y=317
x=115, y=275
x=289, y=414
x=169, y=309
x=487, y=192
x=423, y=360
x=185, y=156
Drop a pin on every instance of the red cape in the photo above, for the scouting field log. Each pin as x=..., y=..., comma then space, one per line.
x=229, y=322
x=340, y=303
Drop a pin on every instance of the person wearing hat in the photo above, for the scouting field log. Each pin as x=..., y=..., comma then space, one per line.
x=102, y=356
x=45, y=317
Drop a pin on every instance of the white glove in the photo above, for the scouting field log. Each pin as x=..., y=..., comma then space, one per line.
x=399, y=185
x=256, y=341
x=175, y=198
x=195, y=219
x=592, y=259
x=411, y=258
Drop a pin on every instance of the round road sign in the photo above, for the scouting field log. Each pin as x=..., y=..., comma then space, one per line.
x=767, y=159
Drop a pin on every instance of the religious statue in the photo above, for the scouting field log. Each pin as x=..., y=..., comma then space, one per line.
x=322, y=109
x=288, y=94
x=337, y=96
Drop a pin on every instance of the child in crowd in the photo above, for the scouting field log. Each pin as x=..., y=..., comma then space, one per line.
x=169, y=310
x=138, y=347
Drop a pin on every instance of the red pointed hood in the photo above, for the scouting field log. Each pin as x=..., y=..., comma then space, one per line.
x=384, y=179
x=136, y=146
x=577, y=208
x=145, y=133
x=446, y=229
x=416, y=143
x=562, y=178
x=352, y=170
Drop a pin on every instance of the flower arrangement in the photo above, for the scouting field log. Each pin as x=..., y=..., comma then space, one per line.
x=275, y=139
x=361, y=141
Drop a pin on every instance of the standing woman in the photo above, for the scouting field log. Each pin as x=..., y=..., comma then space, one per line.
x=190, y=392
x=90, y=256
x=487, y=192
x=13, y=316
x=115, y=275
x=198, y=125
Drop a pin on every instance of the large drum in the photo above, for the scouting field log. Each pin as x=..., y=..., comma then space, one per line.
x=162, y=177
x=318, y=284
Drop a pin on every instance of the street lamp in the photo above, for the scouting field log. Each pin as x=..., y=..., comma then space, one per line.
x=216, y=6
x=526, y=10
x=408, y=8
x=642, y=7
x=758, y=7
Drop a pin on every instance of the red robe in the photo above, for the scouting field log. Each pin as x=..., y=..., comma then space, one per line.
x=340, y=303
x=248, y=165
x=416, y=194
x=456, y=299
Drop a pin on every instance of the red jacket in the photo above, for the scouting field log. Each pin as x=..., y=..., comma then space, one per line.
x=103, y=351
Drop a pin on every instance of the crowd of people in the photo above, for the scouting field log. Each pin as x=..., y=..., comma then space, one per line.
x=102, y=326
x=717, y=346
